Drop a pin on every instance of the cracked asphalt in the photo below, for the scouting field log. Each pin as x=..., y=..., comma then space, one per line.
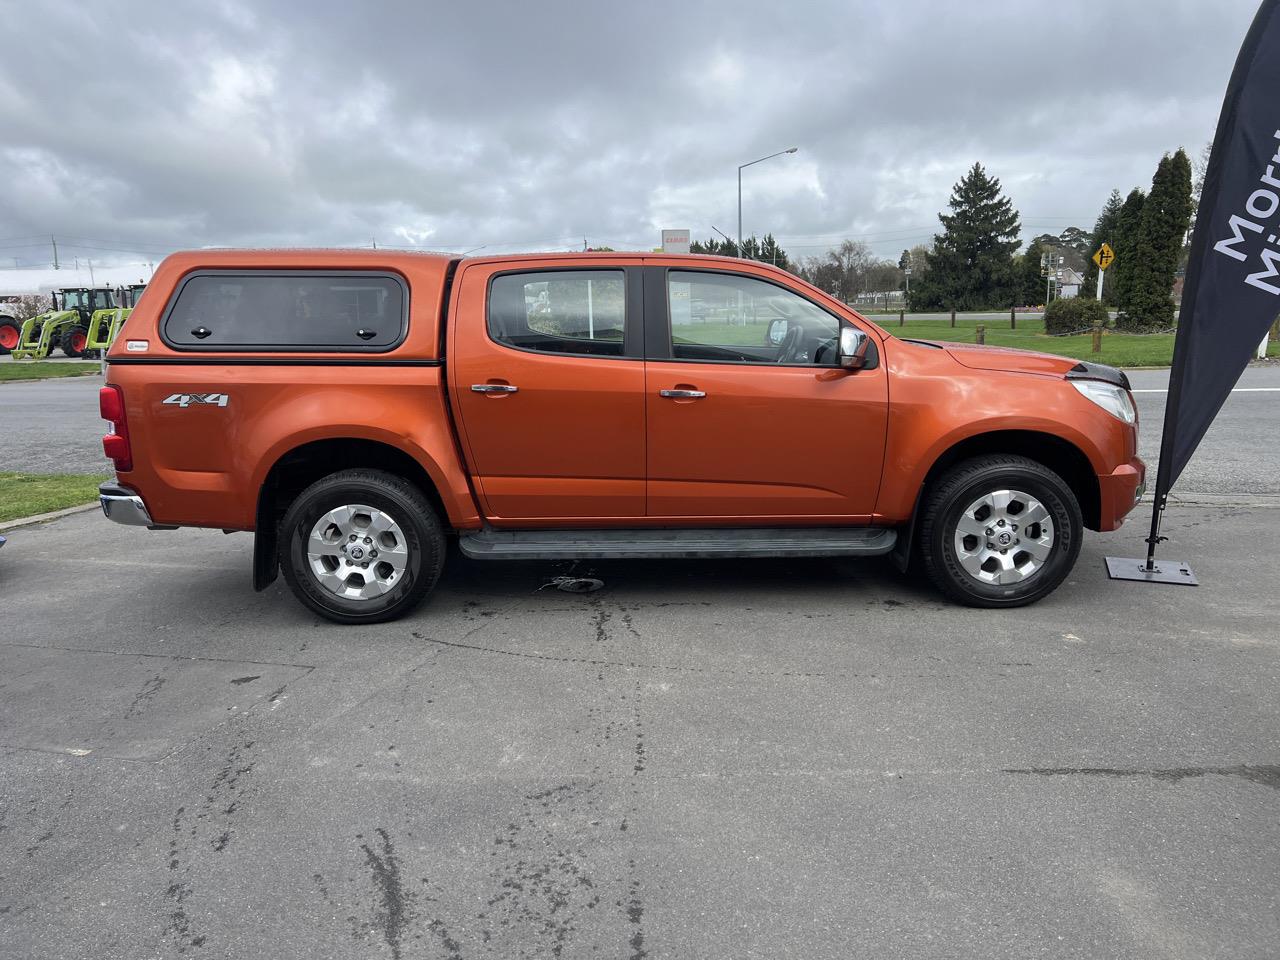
x=728, y=760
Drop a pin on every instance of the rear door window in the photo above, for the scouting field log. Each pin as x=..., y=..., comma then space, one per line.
x=301, y=310
x=560, y=311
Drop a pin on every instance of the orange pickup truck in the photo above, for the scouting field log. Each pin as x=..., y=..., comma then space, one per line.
x=358, y=408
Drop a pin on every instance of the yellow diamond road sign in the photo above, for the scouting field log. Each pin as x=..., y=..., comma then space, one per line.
x=1104, y=256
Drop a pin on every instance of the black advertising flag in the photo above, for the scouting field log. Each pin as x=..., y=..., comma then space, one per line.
x=1232, y=290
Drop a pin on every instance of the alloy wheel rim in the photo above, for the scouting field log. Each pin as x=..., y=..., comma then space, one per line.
x=1004, y=537
x=357, y=552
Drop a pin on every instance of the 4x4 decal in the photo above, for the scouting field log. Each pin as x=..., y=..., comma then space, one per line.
x=188, y=399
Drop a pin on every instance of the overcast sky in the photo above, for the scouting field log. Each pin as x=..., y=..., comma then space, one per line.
x=132, y=129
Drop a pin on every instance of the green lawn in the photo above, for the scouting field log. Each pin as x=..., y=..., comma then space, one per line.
x=26, y=494
x=44, y=370
x=1118, y=349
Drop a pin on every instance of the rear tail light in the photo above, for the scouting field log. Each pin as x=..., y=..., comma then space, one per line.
x=116, y=443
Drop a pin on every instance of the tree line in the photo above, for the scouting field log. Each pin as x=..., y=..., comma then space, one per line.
x=974, y=263
x=846, y=271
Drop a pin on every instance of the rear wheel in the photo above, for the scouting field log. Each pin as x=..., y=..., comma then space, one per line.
x=10, y=334
x=1000, y=531
x=361, y=546
x=74, y=340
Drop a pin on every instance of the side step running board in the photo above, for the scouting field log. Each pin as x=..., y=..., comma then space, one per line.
x=659, y=543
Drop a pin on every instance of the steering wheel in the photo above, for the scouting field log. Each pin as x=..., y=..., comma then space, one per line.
x=790, y=342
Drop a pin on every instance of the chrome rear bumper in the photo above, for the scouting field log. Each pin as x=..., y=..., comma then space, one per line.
x=123, y=505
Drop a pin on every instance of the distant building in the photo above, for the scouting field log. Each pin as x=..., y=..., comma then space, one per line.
x=1069, y=283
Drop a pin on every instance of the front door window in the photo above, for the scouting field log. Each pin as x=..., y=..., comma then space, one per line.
x=727, y=318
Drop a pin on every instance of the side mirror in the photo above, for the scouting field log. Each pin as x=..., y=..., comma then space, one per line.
x=853, y=348
x=777, y=331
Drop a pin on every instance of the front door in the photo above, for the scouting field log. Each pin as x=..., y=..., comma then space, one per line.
x=547, y=379
x=750, y=418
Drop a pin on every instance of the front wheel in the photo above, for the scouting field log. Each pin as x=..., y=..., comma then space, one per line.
x=361, y=546
x=74, y=341
x=1000, y=531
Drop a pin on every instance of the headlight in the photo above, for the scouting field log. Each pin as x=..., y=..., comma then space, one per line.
x=1115, y=400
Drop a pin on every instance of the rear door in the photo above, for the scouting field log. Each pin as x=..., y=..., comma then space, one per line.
x=750, y=418
x=546, y=372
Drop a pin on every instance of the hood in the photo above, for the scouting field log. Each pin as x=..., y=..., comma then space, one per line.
x=1008, y=359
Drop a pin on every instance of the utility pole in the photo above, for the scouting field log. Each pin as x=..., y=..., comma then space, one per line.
x=54, y=241
x=92, y=283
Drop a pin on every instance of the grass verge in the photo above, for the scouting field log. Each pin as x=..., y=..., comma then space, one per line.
x=1118, y=349
x=27, y=494
x=44, y=370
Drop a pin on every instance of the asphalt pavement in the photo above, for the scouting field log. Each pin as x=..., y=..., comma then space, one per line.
x=729, y=760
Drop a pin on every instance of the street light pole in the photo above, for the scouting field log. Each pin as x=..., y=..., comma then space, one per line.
x=740, y=169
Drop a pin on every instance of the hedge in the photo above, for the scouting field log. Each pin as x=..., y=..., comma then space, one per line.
x=1073, y=315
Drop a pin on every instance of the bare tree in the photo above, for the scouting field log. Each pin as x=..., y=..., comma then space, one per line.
x=852, y=259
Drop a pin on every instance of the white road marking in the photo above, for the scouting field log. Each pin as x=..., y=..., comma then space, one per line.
x=1236, y=390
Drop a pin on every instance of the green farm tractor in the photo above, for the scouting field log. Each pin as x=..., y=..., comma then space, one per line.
x=82, y=321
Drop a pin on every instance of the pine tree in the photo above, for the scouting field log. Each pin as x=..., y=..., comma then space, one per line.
x=1104, y=231
x=771, y=252
x=971, y=265
x=1125, y=245
x=1030, y=275
x=1166, y=215
x=766, y=250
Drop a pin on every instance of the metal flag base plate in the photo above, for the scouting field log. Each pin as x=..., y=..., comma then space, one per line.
x=1162, y=571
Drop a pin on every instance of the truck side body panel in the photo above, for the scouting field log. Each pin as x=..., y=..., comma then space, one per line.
x=203, y=463
x=585, y=441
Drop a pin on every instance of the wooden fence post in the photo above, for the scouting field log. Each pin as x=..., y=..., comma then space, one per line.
x=902, y=317
x=953, y=316
x=1097, y=338
x=981, y=334
x=1013, y=318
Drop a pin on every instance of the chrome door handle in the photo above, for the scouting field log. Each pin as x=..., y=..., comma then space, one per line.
x=682, y=394
x=493, y=388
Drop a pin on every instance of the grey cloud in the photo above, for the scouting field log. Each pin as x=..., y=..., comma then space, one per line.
x=529, y=125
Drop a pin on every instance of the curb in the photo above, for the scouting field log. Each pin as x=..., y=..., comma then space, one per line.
x=1245, y=500
x=52, y=515
x=78, y=376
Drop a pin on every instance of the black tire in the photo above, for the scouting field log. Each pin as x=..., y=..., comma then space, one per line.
x=383, y=491
x=945, y=503
x=10, y=335
x=73, y=339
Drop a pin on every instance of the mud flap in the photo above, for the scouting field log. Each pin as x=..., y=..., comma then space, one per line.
x=901, y=555
x=266, y=553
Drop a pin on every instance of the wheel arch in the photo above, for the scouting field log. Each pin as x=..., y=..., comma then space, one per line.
x=1050, y=450
x=300, y=466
